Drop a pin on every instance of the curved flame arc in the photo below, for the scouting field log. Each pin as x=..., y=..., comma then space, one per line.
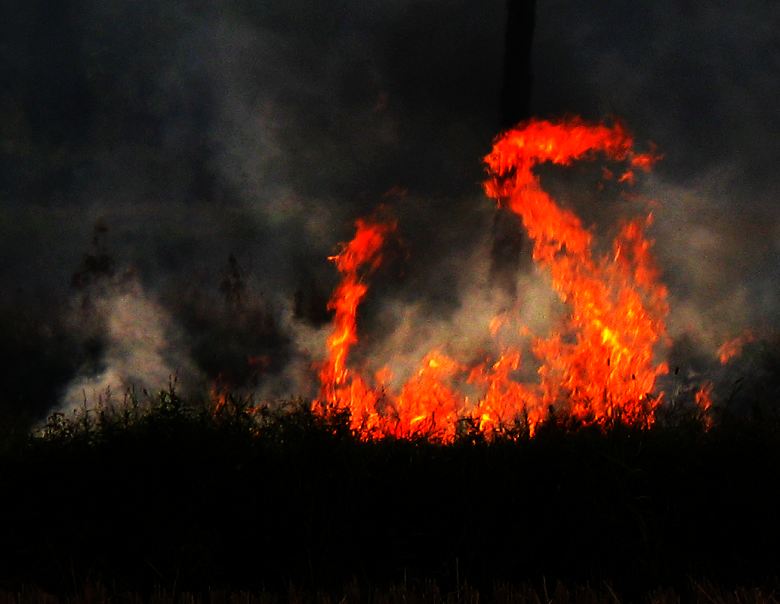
x=599, y=366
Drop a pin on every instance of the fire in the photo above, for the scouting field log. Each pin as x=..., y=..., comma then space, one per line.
x=703, y=399
x=732, y=349
x=340, y=388
x=598, y=367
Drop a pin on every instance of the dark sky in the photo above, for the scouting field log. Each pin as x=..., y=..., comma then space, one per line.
x=193, y=130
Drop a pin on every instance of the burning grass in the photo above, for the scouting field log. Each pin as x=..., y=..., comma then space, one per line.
x=462, y=474
x=599, y=362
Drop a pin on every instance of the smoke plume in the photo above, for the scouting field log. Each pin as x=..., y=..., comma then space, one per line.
x=197, y=133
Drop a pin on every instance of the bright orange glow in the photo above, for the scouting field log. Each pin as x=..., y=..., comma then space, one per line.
x=339, y=388
x=598, y=367
x=218, y=395
x=703, y=400
x=733, y=348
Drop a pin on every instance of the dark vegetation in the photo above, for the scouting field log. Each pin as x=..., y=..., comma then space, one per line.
x=428, y=592
x=156, y=492
x=234, y=338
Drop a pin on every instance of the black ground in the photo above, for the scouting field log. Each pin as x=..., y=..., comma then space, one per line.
x=167, y=495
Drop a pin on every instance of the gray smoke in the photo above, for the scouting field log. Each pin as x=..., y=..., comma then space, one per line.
x=194, y=131
x=143, y=353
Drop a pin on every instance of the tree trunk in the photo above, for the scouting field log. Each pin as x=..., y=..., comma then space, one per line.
x=508, y=236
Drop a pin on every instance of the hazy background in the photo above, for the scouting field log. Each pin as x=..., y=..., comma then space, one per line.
x=173, y=175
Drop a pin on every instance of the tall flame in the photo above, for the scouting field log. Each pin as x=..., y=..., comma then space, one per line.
x=599, y=366
x=617, y=305
x=338, y=384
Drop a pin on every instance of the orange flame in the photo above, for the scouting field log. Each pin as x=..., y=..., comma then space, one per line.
x=338, y=387
x=703, y=399
x=599, y=366
x=733, y=348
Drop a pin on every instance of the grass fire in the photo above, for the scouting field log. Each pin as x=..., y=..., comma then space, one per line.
x=599, y=367
x=408, y=301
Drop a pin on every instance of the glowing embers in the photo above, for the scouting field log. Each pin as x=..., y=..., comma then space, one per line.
x=598, y=367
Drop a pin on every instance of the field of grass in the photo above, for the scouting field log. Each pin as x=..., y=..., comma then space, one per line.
x=167, y=498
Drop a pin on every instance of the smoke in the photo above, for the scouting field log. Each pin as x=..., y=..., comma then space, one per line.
x=401, y=329
x=141, y=349
x=263, y=130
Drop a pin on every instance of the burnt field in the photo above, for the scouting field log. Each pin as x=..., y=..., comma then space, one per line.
x=167, y=495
